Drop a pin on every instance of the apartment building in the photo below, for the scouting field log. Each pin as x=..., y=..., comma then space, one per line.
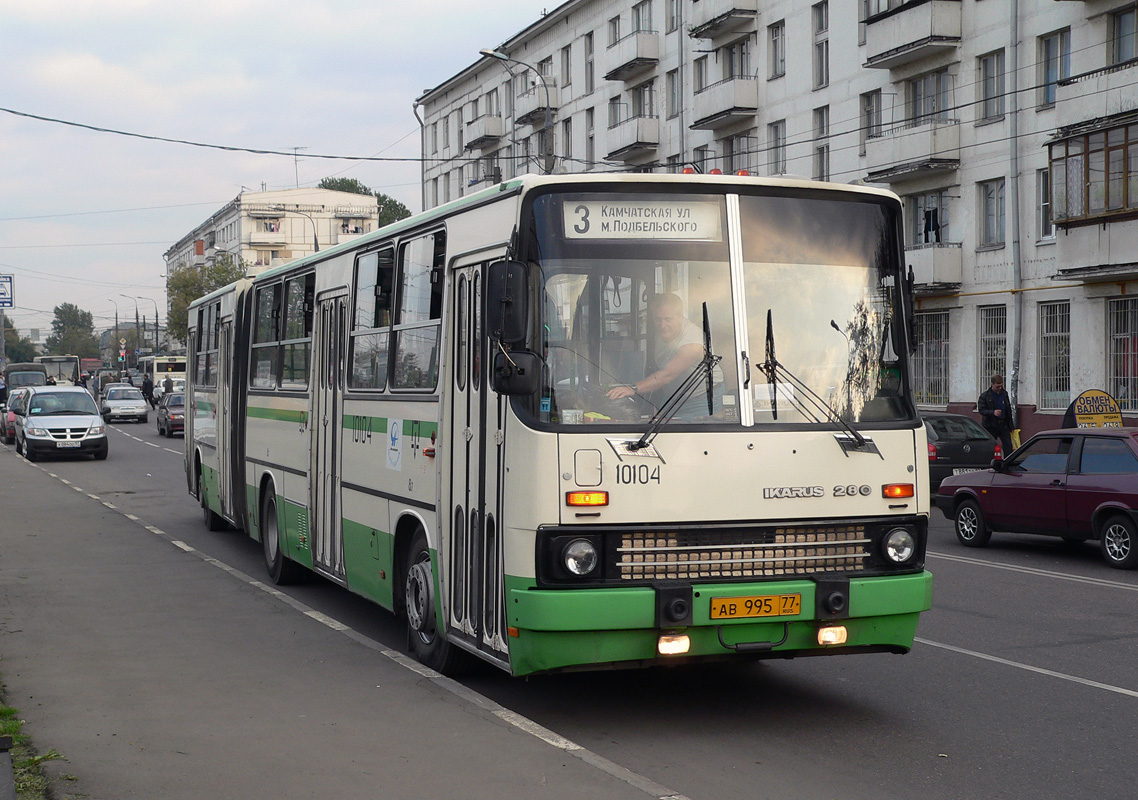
x=270, y=228
x=1008, y=127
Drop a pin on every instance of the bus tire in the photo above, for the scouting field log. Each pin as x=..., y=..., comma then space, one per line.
x=1119, y=542
x=213, y=520
x=971, y=529
x=424, y=639
x=282, y=570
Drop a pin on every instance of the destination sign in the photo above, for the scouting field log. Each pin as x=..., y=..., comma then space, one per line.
x=689, y=220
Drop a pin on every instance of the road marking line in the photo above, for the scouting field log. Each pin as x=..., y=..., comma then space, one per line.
x=1063, y=576
x=95, y=497
x=1029, y=668
x=110, y=505
x=324, y=619
x=150, y=444
x=532, y=728
x=64, y=481
x=181, y=545
x=131, y=517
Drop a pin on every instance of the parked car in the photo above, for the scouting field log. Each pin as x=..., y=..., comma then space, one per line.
x=125, y=402
x=59, y=420
x=957, y=444
x=8, y=429
x=1078, y=484
x=172, y=414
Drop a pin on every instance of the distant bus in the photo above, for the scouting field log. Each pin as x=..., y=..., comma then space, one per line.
x=161, y=367
x=90, y=365
x=64, y=370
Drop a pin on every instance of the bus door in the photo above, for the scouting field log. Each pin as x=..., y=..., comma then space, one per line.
x=477, y=597
x=224, y=417
x=325, y=428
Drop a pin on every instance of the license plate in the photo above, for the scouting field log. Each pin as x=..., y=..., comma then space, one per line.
x=766, y=605
x=963, y=470
x=68, y=444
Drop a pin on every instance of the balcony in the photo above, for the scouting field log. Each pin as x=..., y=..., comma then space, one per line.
x=726, y=102
x=485, y=131
x=913, y=150
x=712, y=19
x=263, y=238
x=935, y=264
x=918, y=29
x=633, y=138
x=530, y=107
x=1101, y=93
x=632, y=55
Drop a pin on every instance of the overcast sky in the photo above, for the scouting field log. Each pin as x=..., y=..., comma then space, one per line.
x=85, y=216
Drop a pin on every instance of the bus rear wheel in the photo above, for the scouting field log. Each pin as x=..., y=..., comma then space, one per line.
x=282, y=571
x=426, y=642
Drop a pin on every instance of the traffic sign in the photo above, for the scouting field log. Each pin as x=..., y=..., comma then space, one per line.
x=122, y=342
x=6, y=297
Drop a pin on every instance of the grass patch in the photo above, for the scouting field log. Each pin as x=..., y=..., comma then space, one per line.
x=27, y=765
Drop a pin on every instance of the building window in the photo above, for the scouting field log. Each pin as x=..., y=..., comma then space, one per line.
x=930, y=359
x=545, y=67
x=644, y=100
x=1054, y=355
x=566, y=66
x=870, y=117
x=1095, y=175
x=739, y=151
x=446, y=132
x=927, y=97
x=590, y=140
x=737, y=59
x=1054, y=64
x=777, y=37
x=614, y=111
x=1122, y=36
x=701, y=158
x=1122, y=352
x=434, y=137
x=699, y=74
x=1043, y=201
x=776, y=147
x=672, y=85
x=567, y=139
x=589, y=73
x=642, y=16
x=928, y=218
x=674, y=165
x=992, y=354
x=672, y=12
x=493, y=107
x=821, y=16
x=992, y=213
x=822, y=143
x=992, y=85
x=614, y=31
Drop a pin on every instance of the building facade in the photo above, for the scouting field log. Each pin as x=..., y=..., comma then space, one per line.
x=1008, y=127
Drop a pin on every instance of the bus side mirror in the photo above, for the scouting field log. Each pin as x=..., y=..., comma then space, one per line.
x=507, y=301
x=516, y=372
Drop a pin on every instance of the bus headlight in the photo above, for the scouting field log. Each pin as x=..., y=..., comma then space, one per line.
x=580, y=557
x=899, y=545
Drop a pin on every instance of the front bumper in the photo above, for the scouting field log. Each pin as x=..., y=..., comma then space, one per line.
x=48, y=446
x=125, y=413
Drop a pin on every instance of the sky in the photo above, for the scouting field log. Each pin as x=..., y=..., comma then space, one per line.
x=85, y=216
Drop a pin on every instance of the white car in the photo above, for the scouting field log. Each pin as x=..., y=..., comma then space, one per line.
x=124, y=402
x=59, y=420
x=179, y=386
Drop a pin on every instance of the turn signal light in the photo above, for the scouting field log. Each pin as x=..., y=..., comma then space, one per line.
x=586, y=498
x=892, y=491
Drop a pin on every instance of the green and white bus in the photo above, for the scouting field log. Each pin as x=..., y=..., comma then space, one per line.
x=585, y=421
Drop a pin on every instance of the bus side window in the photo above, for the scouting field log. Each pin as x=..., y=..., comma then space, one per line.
x=371, y=320
x=421, y=272
x=264, y=372
x=296, y=345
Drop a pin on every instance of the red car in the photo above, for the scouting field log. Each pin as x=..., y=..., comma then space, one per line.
x=8, y=418
x=1078, y=484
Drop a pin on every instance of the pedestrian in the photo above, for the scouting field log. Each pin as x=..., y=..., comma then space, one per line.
x=996, y=413
x=148, y=390
x=167, y=385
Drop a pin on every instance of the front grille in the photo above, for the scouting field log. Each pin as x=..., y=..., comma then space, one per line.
x=63, y=434
x=751, y=553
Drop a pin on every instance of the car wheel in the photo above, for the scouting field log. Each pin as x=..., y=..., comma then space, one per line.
x=19, y=447
x=1119, y=542
x=101, y=453
x=29, y=454
x=426, y=642
x=971, y=529
x=144, y=418
x=282, y=570
x=213, y=520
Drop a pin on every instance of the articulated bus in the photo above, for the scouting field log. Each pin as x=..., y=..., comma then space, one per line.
x=63, y=370
x=576, y=422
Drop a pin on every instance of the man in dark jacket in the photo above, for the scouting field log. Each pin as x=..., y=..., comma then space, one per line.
x=148, y=390
x=996, y=413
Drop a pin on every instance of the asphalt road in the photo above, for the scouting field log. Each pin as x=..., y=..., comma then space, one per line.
x=1023, y=683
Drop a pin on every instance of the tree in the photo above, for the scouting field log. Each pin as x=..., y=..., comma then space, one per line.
x=17, y=348
x=187, y=284
x=390, y=209
x=72, y=333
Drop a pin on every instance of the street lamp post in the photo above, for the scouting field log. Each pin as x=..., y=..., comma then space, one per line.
x=115, y=344
x=155, y=302
x=137, y=339
x=315, y=242
x=548, y=154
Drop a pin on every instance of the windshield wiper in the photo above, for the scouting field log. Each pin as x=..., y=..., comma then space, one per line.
x=809, y=403
x=685, y=390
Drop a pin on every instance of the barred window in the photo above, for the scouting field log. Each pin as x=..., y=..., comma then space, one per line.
x=1054, y=355
x=993, y=350
x=930, y=361
x=1122, y=352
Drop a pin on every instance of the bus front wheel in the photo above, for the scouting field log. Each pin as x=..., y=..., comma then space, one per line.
x=427, y=643
x=282, y=570
x=213, y=520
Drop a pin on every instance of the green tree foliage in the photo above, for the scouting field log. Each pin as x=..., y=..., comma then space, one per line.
x=72, y=333
x=390, y=209
x=189, y=283
x=17, y=348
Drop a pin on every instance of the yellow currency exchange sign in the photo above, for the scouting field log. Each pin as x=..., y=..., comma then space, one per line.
x=1094, y=408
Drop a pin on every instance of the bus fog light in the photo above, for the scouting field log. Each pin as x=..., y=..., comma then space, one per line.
x=832, y=634
x=673, y=644
x=900, y=545
x=580, y=557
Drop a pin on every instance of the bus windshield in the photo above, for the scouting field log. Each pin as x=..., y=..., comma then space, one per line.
x=633, y=285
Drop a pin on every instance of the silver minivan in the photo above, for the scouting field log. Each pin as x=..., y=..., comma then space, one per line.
x=59, y=420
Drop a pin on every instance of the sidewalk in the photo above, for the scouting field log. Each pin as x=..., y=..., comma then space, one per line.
x=158, y=675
